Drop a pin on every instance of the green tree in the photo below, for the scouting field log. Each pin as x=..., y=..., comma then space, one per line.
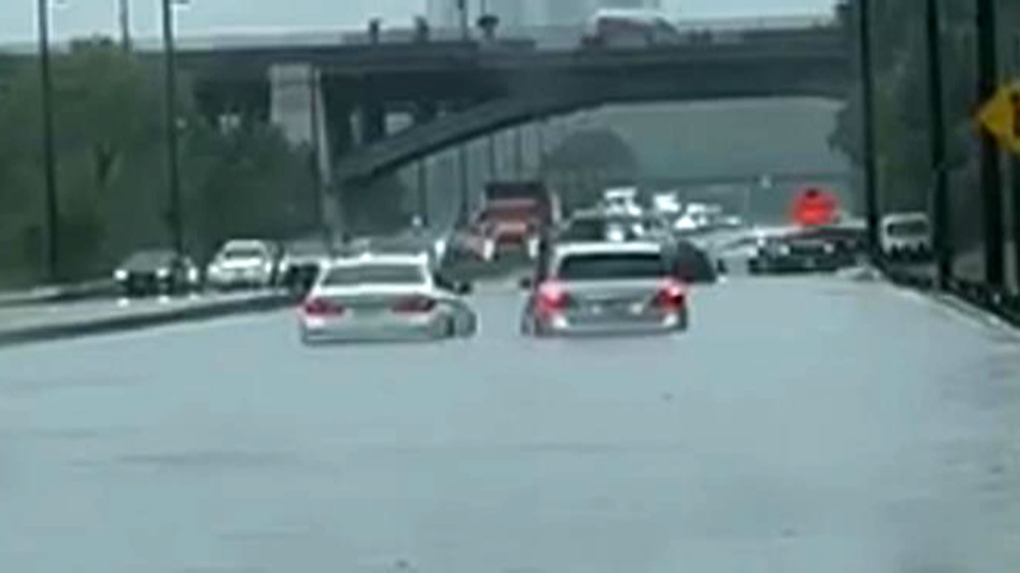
x=110, y=143
x=584, y=163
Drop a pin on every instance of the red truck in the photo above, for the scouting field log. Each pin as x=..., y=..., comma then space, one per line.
x=511, y=220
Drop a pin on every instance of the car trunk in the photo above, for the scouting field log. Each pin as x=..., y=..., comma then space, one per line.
x=612, y=299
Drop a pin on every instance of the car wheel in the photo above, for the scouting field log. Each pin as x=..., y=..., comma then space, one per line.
x=685, y=321
x=527, y=326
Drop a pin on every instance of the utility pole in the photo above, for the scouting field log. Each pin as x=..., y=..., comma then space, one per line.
x=943, y=236
x=519, y=152
x=462, y=12
x=48, y=144
x=175, y=219
x=1015, y=175
x=462, y=164
x=124, y=11
x=493, y=160
x=991, y=173
x=868, y=126
x=318, y=181
x=423, y=190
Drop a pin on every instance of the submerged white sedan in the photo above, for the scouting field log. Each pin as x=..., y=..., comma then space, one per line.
x=384, y=297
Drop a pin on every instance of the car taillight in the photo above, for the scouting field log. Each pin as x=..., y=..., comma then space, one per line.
x=321, y=307
x=552, y=298
x=414, y=304
x=671, y=296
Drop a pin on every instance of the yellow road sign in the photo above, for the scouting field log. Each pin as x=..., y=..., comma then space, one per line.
x=1001, y=116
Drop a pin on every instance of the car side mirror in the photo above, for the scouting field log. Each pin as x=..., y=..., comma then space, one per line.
x=526, y=283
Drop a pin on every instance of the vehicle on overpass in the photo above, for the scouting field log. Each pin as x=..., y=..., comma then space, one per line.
x=511, y=221
x=243, y=263
x=157, y=272
x=794, y=253
x=605, y=288
x=630, y=28
x=905, y=236
x=384, y=297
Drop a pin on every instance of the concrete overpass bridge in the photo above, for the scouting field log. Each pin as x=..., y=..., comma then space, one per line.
x=339, y=90
x=454, y=91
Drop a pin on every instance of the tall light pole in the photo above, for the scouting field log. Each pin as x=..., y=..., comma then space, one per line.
x=868, y=124
x=462, y=13
x=124, y=16
x=991, y=169
x=48, y=146
x=942, y=235
x=170, y=112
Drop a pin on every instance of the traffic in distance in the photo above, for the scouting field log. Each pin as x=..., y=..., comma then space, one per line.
x=625, y=264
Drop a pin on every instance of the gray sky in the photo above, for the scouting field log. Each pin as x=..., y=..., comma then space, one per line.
x=203, y=17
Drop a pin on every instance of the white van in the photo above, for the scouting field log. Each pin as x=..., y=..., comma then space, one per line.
x=630, y=28
x=905, y=235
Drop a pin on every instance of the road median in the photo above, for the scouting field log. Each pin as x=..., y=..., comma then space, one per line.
x=119, y=318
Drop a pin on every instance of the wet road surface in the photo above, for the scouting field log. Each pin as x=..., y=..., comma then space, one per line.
x=804, y=424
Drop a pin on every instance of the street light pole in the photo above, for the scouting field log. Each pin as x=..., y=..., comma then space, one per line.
x=462, y=11
x=124, y=12
x=991, y=174
x=868, y=125
x=942, y=239
x=173, y=159
x=49, y=152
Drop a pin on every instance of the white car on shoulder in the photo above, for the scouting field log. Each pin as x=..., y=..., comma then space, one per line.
x=384, y=297
x=905, y=235
x=242, y=264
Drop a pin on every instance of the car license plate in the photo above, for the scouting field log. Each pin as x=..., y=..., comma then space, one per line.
x=611, y=308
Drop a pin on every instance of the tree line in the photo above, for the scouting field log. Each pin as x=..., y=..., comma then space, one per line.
x=237, y=179
x=903, y=128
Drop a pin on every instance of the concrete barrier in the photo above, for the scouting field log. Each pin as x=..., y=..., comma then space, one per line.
x=143, y=318
x=59, y=293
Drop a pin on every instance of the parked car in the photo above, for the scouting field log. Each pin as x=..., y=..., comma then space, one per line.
x=157, y=272
x=905, y=236
x=243, y=264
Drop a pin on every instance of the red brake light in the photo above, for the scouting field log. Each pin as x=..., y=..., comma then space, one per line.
x=321, y=307
x=552, y=298
x=671, y=296
x=414, y=304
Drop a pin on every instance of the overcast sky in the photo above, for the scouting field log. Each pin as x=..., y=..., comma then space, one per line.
x=203, y=17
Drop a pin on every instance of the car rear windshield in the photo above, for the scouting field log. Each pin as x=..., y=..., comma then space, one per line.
x=244, y=253
x=908, y=228
x=610, y=266
x=374, y=274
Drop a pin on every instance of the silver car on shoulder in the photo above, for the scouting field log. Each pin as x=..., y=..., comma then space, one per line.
x=384, y=297
x=605, y=288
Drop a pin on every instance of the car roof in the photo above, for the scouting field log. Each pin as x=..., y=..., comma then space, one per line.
x=379, y=259
x=245, y=244
x=904, y=217
x=608, y=247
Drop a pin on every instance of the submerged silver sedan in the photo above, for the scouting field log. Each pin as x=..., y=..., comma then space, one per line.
x=605, y=288
x=384, y=297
